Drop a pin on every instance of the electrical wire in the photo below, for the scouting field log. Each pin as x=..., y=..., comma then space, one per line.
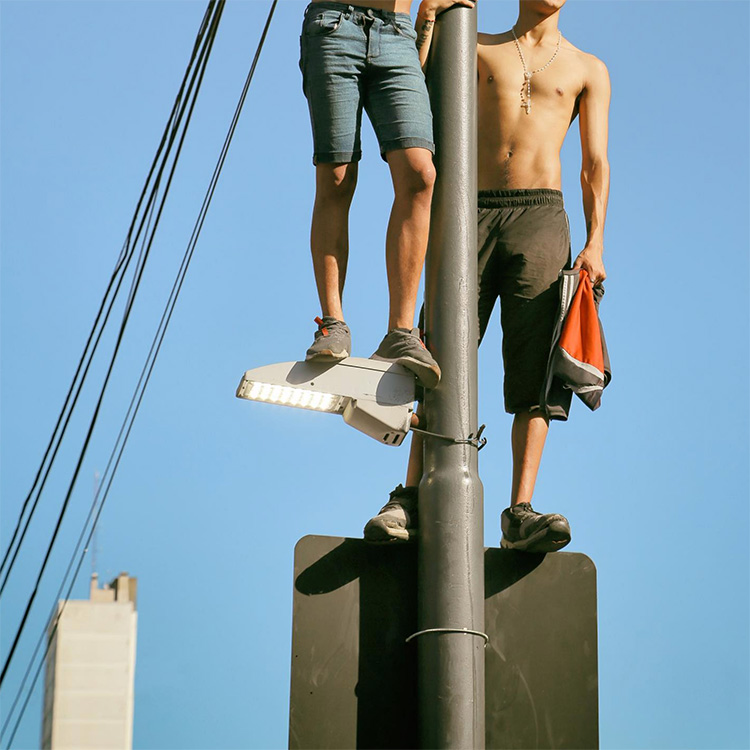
x=103, y=313
x=139, y=392
x=193, y=89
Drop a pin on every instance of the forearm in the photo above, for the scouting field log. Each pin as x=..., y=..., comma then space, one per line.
x=429, y=10
x=425, y=25
x=595, y=190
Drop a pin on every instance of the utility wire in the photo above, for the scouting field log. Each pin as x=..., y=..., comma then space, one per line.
x=137, y=398
x=196, y=80
x=102, y=315
x=57, y=598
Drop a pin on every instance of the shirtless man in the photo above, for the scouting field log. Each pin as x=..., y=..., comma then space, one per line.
x=532, y=84
x=364, y=56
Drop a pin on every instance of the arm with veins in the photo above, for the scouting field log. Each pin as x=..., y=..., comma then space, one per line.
x=594, y=108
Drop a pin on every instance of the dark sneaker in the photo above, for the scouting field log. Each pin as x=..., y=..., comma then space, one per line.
x=405, y=348
x=332, y=341
x=525, y=529
x=397, y=520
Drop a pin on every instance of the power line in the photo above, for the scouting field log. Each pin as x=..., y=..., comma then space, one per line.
x=193, y=89
x=146, y=372
x=104, y=311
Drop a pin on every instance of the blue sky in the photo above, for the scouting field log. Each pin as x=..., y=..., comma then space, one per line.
x=213, y=493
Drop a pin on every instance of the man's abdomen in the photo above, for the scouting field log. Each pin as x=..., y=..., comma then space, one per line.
x=517, y=168
x=518, y=150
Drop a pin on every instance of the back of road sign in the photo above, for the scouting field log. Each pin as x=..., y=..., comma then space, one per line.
x=354, y=678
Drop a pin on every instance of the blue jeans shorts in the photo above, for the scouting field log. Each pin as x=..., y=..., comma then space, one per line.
x=354, y=58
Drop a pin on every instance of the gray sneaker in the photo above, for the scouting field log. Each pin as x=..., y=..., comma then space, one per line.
x=525, y=529
x=405, y=348
x=333, y=341
x=397, y=520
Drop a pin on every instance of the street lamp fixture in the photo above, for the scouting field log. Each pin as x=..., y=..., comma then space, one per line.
x=374, y=397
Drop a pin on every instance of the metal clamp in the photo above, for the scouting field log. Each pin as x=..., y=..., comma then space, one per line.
x=476, y=440
x=465, y=631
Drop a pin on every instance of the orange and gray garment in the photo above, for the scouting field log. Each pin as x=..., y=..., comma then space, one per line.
x=578, y=361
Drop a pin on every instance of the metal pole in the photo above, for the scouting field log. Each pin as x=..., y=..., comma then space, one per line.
x=451, y=564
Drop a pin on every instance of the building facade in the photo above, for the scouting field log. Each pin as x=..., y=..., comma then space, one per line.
x=90, y=670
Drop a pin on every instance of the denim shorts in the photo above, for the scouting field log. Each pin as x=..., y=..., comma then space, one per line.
x=354, y=58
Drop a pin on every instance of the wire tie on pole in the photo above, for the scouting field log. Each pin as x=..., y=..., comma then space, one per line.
x=476, y=440
x=464, y=631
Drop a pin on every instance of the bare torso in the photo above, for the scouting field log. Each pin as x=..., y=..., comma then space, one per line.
x=395, y=6
x=516, y=149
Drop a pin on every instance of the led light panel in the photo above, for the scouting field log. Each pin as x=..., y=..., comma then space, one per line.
x=286, y=395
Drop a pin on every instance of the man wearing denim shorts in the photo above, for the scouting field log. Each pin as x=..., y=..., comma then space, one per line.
x=356, y=57
x=532, y=84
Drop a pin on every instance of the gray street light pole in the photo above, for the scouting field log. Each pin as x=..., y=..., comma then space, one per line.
x=451, y=565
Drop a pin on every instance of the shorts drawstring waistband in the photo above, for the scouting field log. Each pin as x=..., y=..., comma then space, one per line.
x=386, y=15
x=513, y=198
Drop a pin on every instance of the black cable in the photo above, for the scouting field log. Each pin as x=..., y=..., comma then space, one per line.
x=99, y=322
x=197, y=76
x=145, y=376
x=176, y=118
x=49, y=618
x=65, y=577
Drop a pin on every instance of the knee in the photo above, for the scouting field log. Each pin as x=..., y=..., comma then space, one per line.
x=336, y=183
x=418, y=180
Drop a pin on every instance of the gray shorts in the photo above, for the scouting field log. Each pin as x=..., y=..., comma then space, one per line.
x=356, y=58
x=523, y=240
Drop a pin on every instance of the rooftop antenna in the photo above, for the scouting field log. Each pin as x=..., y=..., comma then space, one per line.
x=94, y=545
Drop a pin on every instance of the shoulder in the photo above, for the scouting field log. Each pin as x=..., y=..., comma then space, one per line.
x=593, y=71
x=593, y=68
x=596, y=70
x=596, y=81
x=492, y=40
x=490, y=45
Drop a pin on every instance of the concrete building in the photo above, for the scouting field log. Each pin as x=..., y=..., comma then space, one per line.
x=90, y=670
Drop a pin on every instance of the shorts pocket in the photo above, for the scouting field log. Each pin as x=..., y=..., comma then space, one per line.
x=323, y=23
x=405, y=29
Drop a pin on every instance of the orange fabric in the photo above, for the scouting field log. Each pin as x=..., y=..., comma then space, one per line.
x=581, y=336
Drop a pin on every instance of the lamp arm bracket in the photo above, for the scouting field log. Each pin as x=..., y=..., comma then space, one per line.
x=476, y=440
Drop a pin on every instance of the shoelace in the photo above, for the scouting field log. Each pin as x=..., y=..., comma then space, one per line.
x=397, y=501
x=324, y=329
x=525, y=513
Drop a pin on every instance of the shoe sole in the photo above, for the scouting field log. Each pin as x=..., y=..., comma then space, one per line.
x=326, y=356
x=545, y=540
x=428, y=376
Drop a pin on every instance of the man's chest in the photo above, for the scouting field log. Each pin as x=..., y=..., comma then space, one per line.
x=501, y=78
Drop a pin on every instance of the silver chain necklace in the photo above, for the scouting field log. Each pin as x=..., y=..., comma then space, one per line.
x=526, y=87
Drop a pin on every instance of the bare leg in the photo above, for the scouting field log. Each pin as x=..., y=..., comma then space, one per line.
x=329, y=236
x=413, y=176
x=415, y=467
x=527, y=439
